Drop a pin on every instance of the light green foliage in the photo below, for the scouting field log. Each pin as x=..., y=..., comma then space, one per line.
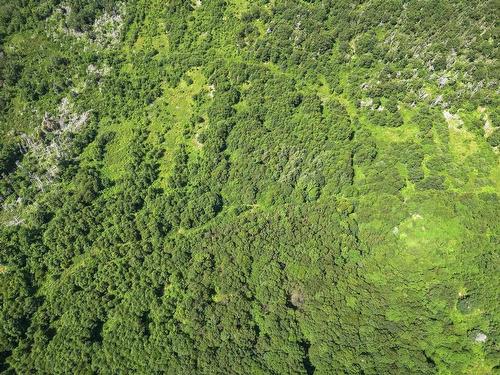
x=249, y=187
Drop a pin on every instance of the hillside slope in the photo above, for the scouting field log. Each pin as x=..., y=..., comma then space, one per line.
x=249, y=187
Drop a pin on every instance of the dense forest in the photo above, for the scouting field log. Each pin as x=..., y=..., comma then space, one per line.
x=249, y=187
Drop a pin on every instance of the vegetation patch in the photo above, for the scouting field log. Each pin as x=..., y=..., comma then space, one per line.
x=249, y=187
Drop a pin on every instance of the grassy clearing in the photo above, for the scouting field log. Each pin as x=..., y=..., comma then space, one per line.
x=384, y=135
x=117, y=155
x=178, y=102
x=462, y=142
x=239, y=6
x=169, y=115
x=495, y=176
x=425, y=235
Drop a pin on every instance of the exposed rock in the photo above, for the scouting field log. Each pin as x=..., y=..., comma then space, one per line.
x=107, y=29
x=211, y=91
x=366, y=102
x=488, y=127
x=14, y=222
x=296, y=298
x=453, y=120
x=480, y=337
x=100, y=72
x=46, y=151
x=438, y=100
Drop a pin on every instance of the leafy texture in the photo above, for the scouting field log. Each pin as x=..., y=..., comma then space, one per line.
x=249, y=187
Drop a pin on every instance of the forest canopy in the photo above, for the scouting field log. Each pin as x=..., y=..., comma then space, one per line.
x=249, y=187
